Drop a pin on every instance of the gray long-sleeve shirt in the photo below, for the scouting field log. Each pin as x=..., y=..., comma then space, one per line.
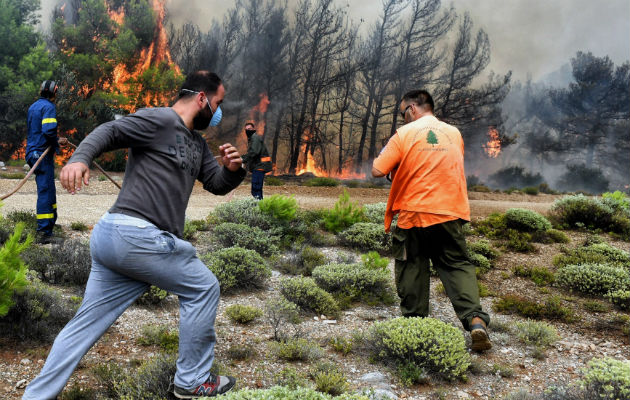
x=165, y=159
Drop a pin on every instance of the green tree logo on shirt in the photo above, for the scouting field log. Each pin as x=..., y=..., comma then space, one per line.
x=431, y=138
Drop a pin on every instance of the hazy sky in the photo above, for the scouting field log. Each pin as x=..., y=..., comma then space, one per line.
x=527, y=36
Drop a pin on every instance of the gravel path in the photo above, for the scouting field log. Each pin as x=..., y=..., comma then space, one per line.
x=92, y=202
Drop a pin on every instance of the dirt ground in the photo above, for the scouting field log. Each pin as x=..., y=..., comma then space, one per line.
x=508, y=367
x=94, y=200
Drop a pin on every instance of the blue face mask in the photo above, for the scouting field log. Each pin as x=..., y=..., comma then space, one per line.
x=200, y=121
x=216, y=117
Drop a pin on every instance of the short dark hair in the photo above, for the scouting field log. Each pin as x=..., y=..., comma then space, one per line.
x=199, y=81
x=421, y=97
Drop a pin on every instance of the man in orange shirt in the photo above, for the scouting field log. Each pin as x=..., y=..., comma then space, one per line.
x=426, y=161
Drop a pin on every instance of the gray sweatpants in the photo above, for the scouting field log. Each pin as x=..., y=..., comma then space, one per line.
x=129, y=255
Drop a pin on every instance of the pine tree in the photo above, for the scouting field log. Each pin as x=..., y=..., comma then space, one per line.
x=12, y=268
x=432, y=138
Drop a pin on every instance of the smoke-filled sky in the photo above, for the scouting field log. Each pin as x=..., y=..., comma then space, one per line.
x=533, y=37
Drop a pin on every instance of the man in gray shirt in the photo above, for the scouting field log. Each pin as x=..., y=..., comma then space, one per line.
x=138, y=242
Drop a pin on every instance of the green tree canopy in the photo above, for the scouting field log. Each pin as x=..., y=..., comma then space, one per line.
x=24, y=64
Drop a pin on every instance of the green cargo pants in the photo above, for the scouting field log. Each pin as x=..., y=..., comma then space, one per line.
x=445, y=246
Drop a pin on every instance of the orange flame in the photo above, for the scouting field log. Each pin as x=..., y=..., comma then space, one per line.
x=256, y=116
x=158, y=52
x=257, y=113
x=493, y=146
x=118, y=16
x=309, y=165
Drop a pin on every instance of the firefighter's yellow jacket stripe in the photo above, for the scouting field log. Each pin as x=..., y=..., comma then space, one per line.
x=49, y=121
x=45, y=216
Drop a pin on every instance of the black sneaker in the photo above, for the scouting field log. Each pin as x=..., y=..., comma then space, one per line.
x=213, y=386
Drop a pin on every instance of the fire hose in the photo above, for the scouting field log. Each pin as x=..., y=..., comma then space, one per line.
x=39, y=160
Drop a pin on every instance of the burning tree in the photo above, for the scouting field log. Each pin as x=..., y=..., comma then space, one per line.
x=115, y=58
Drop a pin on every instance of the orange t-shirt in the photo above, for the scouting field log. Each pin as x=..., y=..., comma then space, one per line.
x=429, y=182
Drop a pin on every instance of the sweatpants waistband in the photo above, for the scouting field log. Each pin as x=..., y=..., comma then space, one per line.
x=123, y=219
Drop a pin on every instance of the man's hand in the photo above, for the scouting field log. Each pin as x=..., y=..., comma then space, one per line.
x=230, y=157
x=72, y=175
x=63, y=141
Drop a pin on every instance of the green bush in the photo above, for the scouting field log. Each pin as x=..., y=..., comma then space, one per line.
x=12, y=175
x=375, y=212
x=328, y=379
x=26, y=216
x=280, y=207
x=296, y=349
x=526, y=220
x=531, y=190
x=106, y=375
x=617, y=200
x=601, y=253
x=290, y=378
x=150, y=381
x=343, y=215
x=302, y=262
x=281, y=314
x=241, y=352
x=354, y=282
x=286, y=393
x=229, y=234
x=551, y=309
x=373, y=260
x=540, y=275
x=39, y=312
x=152, y=297
x=238, y=268
x=426, y=342
x=595, y=306
x=162, y=336
x=243, y=211
x=519, y=241
x=536, y=333
x=341, y=344
x=273, y=181
x=620, y=298
x=12, y=269
x=308, y=296
x=243, y=314
x=484, y=248
x=68, y=263
x=550, y=236
x=479, y=188
x=597, y=279
x=192, y=226
x=79, y=226
x=607, y=378
x=321, y=181
x=582, y=212
x=481, y=263
x=366, y=236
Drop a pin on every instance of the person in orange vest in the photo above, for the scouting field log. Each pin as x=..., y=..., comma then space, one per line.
x=257, y=159
x=425, y=159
